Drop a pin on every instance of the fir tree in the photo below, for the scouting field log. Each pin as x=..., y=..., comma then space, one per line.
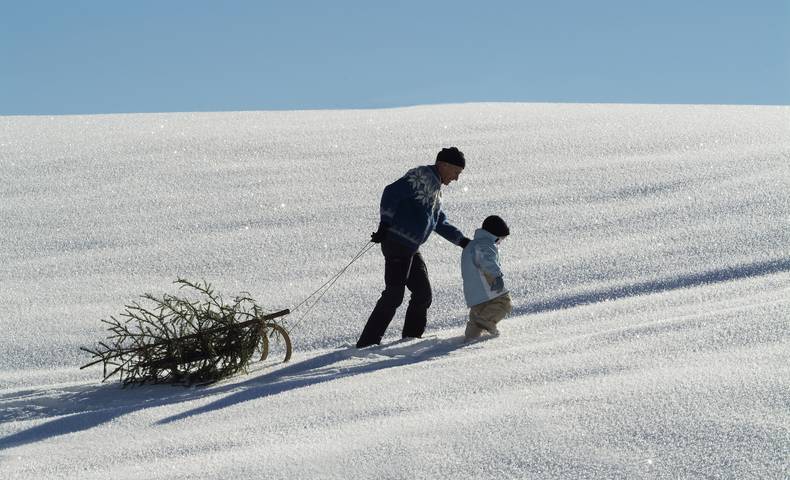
x=187, y=341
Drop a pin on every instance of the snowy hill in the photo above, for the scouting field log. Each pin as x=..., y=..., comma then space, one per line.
x=649, y=265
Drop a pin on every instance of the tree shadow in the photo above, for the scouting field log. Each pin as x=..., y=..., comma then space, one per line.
x=80, y=408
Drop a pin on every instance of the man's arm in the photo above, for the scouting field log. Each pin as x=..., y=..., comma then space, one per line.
x=448, y=231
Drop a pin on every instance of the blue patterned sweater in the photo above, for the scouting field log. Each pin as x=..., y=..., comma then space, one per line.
x=412, y=207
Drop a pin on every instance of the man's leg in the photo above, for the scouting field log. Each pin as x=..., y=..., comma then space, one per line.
x=397, y=263
x=421, y=297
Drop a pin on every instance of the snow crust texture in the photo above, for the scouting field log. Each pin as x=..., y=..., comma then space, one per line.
x=649, y=265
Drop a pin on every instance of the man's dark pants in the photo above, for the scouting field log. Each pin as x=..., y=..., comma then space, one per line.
x=402, y=269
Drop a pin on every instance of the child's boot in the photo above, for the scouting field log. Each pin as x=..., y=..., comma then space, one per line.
x=472, y=330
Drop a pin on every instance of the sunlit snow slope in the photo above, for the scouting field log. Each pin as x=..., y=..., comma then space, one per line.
x=649, y=265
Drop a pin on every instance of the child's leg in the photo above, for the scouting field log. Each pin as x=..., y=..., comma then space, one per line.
x=487, y=315
x=501, y=307
x=473, y=330
x=478, y=321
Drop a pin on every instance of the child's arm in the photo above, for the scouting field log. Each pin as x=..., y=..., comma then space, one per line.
x=486, y=260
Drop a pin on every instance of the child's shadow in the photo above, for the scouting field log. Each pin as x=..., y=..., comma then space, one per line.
x=82, y=407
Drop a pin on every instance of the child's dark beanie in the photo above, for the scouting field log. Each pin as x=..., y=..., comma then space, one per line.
x=496, y=226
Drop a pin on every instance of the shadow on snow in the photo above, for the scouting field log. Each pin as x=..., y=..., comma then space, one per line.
x=656, y=286
x=80, y=408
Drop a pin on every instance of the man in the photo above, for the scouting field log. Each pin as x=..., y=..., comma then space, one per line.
x=411, y=208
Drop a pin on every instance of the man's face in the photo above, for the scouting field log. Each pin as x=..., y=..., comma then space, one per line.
x=448, y=172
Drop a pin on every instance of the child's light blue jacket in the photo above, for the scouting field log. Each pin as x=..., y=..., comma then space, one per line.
x=480, y=259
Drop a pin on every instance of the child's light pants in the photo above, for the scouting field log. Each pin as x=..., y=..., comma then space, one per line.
x=486, y=315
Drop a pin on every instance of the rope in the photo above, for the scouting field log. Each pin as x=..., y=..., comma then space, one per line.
x=328, y=284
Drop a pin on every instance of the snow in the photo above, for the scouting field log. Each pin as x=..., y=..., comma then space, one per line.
x=649, y=264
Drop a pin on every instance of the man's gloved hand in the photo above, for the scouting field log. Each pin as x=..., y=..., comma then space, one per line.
x=464, y=242
x=498, y=285
x=380, y=234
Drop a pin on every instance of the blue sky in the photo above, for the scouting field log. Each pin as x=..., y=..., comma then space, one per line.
x=66, y=57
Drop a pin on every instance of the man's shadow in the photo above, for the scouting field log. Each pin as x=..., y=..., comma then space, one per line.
x=328, y=367
x=80, y=408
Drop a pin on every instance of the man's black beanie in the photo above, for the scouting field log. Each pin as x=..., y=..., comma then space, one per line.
x=452, y=156
x=496, y=226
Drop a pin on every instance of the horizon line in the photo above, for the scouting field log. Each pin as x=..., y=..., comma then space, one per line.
x=385, y=107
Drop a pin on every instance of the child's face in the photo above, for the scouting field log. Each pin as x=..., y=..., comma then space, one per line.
x=499, y=240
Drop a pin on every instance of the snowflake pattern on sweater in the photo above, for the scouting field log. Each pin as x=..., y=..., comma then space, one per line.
x=426, y=189
x=412, y=207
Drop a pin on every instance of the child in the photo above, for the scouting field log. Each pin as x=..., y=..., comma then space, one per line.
x=484, y=287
